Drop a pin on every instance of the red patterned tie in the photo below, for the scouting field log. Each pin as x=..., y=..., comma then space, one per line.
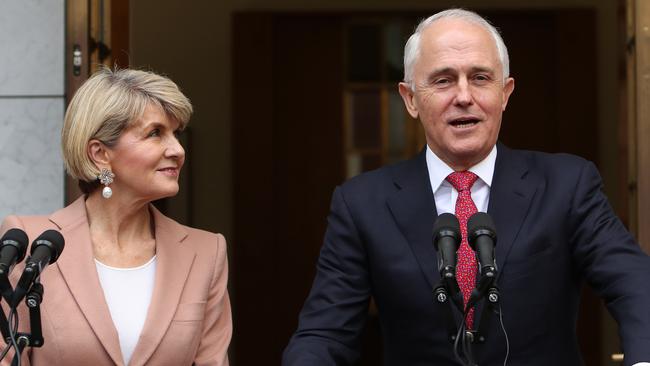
x=465, y=208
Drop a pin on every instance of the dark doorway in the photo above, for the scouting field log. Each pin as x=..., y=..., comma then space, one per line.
x=289, y=148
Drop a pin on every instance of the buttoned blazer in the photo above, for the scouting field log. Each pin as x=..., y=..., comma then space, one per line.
x=189, y=318
x=555, y=230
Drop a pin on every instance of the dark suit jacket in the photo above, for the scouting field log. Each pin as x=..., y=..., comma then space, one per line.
x=555, y=229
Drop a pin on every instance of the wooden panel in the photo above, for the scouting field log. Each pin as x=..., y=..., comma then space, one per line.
x=630, y=120
x=120, y=33
x=252, y=149
x=76, y=35
x=642, y=136
x=287, y=158
x=551, y=108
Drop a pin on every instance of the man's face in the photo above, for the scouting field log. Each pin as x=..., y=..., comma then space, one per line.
x=459, y=92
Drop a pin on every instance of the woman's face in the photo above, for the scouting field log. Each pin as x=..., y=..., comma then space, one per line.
x=147, y=158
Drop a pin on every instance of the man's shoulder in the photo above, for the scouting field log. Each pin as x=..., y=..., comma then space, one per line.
x=384, y=178
x=545, y=161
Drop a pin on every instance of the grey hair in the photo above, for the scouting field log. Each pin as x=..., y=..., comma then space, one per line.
x=412, y=48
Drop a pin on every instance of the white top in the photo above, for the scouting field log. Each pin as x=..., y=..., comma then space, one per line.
x=446, y=195
x=128, y=294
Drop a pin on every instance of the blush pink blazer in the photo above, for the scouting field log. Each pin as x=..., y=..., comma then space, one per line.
x=189, y=319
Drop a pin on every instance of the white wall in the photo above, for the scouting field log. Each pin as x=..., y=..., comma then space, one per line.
x=31, y=106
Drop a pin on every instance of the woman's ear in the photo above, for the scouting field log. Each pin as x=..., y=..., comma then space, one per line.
x=98, y=153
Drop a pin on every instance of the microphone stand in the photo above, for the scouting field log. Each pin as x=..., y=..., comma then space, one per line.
x=33, y=301
x=448, y=289
x=7, y=292
x=486, y=287
x=35, y=338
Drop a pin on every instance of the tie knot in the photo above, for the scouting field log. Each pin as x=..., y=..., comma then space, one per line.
x=462, y=181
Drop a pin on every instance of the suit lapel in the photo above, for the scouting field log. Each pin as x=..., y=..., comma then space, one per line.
x=512, y=192
x=413, y=208
x=173, y=264
x=79, y=271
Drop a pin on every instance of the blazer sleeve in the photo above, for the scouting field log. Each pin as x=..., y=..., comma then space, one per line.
x=217, y=327
x=335, y=312
x=613, y=263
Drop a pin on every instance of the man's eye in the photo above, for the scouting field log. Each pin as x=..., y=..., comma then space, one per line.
x=441, y=82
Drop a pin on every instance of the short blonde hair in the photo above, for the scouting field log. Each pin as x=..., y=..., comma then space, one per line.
x=106, y=104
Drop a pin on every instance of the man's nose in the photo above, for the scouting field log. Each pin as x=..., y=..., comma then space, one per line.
x=463, y=93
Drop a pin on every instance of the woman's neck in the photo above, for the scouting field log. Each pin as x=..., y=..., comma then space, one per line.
x=122, y=233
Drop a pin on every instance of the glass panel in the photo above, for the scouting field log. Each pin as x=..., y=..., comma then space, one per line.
x=354, y=165
x=394, y=51
x=365, y=112
x=364, y=52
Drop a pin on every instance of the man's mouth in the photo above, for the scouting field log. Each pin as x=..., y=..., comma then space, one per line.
x=464, y=122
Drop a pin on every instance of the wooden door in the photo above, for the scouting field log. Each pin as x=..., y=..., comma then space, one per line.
x=287, y=153
x=289, y=96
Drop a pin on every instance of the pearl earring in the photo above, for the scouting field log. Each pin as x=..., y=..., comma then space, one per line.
x=106, y=178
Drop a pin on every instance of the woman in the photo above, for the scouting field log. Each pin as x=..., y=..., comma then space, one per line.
x=132, y=287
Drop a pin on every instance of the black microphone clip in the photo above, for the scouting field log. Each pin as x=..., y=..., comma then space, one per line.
x=45, y=251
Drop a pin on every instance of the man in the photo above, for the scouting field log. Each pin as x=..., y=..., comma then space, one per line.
x=555, y=228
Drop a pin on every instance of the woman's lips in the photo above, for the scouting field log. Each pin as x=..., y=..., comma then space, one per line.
x=172, y=172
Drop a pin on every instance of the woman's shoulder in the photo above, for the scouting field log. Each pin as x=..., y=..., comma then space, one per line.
x=27, y=223
x=204, y=243
x=204, y=236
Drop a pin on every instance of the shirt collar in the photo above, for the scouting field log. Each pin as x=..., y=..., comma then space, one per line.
x=439, y=170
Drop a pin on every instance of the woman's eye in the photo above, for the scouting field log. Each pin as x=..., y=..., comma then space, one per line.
x=154, y=133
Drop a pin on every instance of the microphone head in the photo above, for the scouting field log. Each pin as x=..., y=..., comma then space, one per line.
x=446, y=225
x=18, y=239
x=480, y=224
x=52, y=239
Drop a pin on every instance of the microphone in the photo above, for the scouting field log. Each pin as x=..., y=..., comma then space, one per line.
x=446, y=240
x=13, y=246
x=45, y=250
x=482, y=238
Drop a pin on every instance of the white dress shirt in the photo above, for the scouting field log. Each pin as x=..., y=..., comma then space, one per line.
x=445, y=195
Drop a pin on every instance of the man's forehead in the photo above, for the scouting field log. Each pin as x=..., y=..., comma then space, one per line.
x=458, y=40
x=457, y=34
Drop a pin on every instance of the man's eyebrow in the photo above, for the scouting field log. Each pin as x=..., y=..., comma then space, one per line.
x=453, y=71
x=442, y=70
x=485, y=69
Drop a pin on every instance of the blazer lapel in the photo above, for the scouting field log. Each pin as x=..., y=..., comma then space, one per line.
x=173, y=264
x=79, y=271
x=512, y=192
x=413, y=208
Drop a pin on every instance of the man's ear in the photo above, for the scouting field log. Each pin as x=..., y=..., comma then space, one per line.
x=99, y=154
x=508, y=88
x=409, y=99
